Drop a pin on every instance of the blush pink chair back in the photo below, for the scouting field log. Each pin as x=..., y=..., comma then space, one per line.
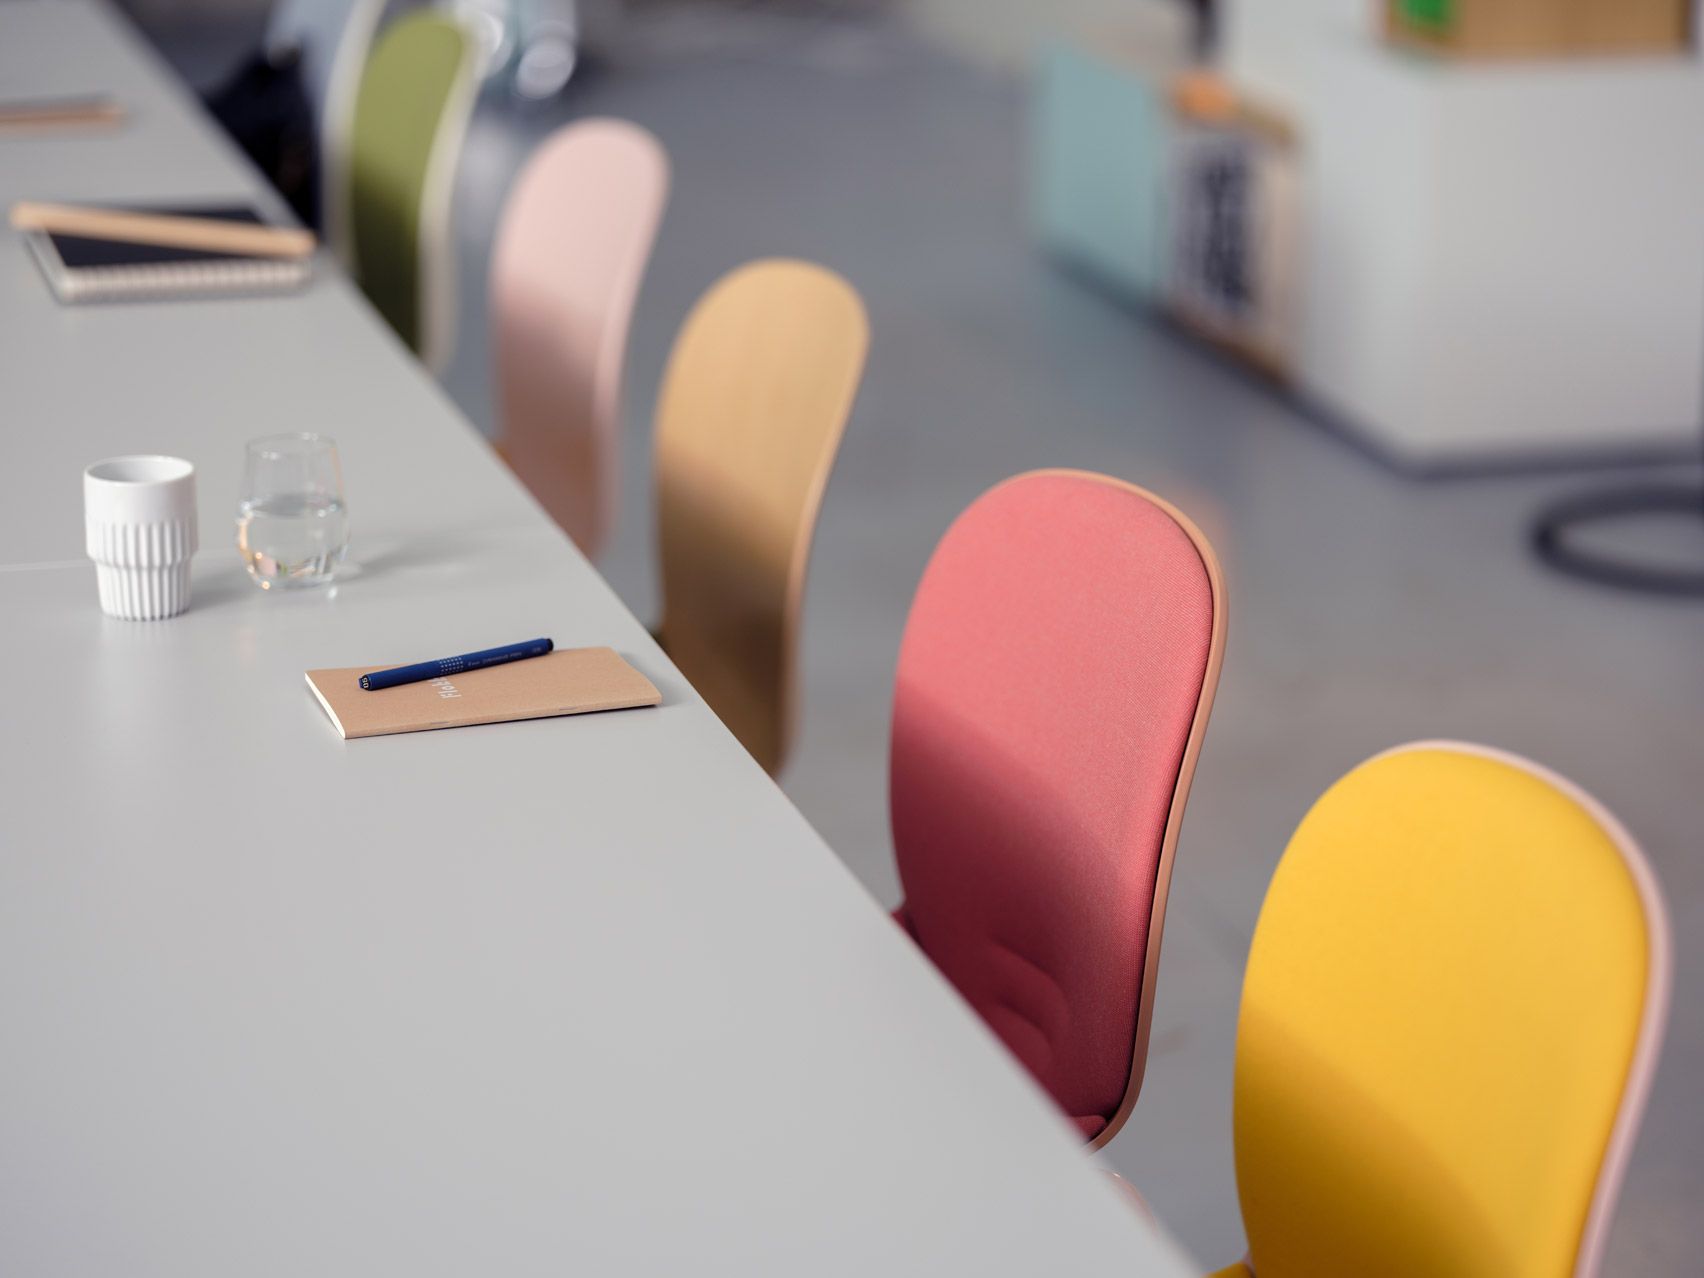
x=569, y=259
x=1054, y=684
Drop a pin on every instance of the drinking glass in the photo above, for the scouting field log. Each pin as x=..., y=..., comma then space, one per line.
x=292, y=526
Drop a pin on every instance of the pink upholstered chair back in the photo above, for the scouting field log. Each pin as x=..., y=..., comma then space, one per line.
x=1054, y=684
x=565, y=272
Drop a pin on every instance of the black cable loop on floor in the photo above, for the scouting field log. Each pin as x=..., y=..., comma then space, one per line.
x=1550, y=539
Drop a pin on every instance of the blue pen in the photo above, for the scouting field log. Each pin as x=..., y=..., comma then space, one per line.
x=455, y=665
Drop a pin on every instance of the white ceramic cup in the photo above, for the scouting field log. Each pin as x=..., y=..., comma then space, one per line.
x=139, y=527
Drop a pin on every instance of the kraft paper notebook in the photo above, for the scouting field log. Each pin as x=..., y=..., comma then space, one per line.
x=567, y=681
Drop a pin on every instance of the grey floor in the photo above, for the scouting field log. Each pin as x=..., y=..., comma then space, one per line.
x=1366, y=609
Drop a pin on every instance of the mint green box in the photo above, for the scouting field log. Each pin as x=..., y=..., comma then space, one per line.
x=1099, y=131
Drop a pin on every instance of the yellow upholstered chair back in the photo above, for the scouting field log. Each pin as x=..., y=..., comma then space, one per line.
x=752, y=406
x=1452, y=1009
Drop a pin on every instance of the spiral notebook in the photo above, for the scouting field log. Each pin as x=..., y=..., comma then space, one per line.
x=80, y=269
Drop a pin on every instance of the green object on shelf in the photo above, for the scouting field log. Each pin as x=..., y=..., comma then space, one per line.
x=1098, y=157
x=1434, y=15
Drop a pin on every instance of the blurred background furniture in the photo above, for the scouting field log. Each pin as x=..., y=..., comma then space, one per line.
x=1493, y=261
x=1538, y=28
x=1233, y=222
x=1451, y=1015
x=1054, y=684
x=749, y=418
x=411, y=115
x=1501, y=261
x=1099, y=153
x=530, y=47
x=329, y=40
x=565, y=273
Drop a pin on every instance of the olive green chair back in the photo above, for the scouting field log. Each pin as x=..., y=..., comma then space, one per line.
x=411, y=114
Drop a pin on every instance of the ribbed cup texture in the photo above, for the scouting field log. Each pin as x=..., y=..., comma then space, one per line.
x=142, y=569
x=141, y=545
x=143, y=594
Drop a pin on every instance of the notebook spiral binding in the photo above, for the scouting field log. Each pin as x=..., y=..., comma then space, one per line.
x=162, y=280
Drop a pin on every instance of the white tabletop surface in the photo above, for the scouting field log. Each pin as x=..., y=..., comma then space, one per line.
x=575, y=996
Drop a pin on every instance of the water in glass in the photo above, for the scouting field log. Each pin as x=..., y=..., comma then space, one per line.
x=292, y=526
x=292, y=540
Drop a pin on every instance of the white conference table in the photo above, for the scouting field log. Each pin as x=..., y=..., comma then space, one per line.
x=568, y=996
